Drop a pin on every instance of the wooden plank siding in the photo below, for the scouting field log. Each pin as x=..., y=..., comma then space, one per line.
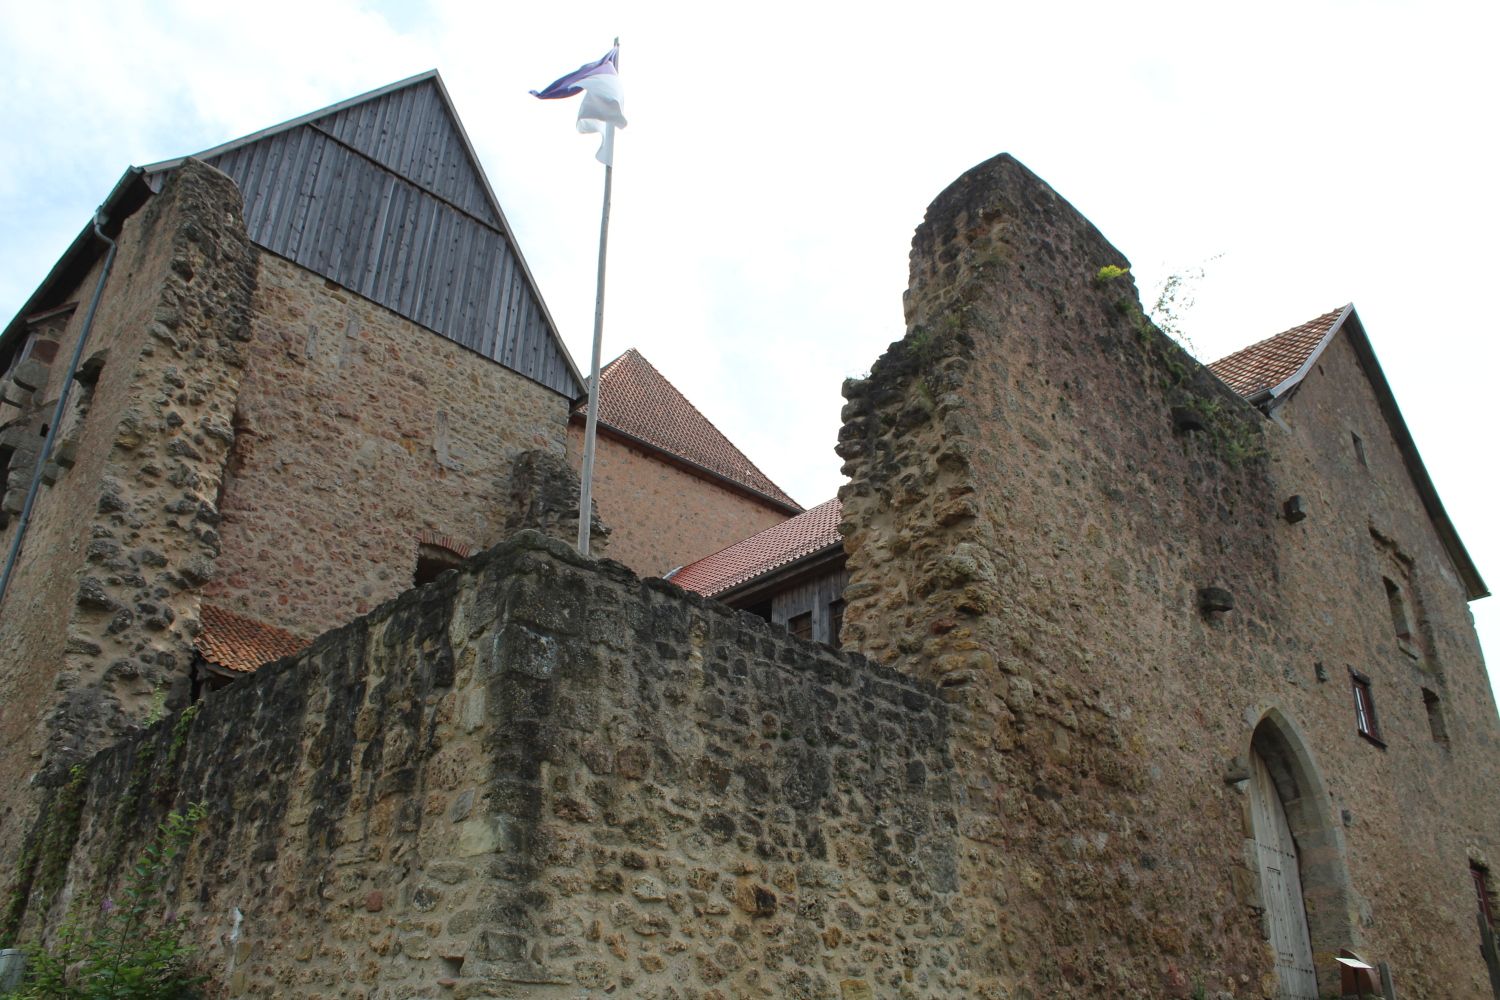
x=383, y=198
x=814, y=595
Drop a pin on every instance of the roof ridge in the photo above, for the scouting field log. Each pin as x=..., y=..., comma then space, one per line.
x=305, y=119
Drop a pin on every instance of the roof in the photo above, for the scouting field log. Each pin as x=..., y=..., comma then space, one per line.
x=242, y=644
x=814, y=530
x=637, y=402
x=1265, y=366
x=1267, y=372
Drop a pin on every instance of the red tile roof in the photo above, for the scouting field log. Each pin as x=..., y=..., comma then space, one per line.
x=808, y=532
x=1272, y=361
x=242, y=644
x=636, y=400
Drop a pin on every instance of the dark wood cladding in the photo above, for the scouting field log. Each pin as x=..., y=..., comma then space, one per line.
x=411, y=133
x=383, y=198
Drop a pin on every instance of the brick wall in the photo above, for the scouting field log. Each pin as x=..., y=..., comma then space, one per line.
x=661, y=516
x=1029, y=529
x=357, y=430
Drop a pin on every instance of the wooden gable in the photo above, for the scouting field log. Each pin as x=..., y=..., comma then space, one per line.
x=383, y=195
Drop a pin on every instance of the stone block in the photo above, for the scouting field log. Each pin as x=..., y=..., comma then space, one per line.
x=30, y=374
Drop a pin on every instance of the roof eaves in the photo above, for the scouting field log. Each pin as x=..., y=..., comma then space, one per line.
x=769, y=576
x=124, y=200
x=515, y=244
x=1474, y=584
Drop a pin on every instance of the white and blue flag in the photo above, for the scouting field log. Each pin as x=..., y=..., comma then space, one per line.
x=603, y=102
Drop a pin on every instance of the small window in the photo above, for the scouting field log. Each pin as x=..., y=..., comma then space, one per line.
x=836, y=622
x=800, y=625
x=1359, y=449
x=1435, y=720
x=1481, y=877
x=1364, y=708
x=1400, y=621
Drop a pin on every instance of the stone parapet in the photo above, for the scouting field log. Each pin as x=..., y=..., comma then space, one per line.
x=541, y=775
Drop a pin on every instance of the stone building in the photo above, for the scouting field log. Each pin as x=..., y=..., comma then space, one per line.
x=1152, y=685
x=300, y=372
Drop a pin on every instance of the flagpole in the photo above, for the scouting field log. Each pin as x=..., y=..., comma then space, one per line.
x=586, y=479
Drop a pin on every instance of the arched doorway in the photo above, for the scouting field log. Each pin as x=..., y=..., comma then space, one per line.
x=1281, y=886
x=1298, y=851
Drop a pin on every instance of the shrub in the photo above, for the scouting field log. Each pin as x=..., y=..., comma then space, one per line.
x=134, y=950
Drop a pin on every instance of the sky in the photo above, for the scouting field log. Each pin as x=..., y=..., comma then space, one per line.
x=779, y=156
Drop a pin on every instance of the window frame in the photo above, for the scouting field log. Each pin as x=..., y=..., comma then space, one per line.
x=1482, y=892
x=1366, y=718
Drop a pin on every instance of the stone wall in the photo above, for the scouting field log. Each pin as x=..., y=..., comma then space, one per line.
x=662, y=516
x=245, y=433
x=357, y=430
x=1030, y=526
x=540, y=776
x=101, y=612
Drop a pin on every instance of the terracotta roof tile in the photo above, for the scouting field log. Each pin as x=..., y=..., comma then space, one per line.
x=1272, y=361
x=637, y=400
x=242, y=644
x=813, y=529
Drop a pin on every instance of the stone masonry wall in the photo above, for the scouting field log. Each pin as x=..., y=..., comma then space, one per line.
x=664, y=517
x=356, y=430
x=540, y=776
x=101, y=612
x=1030, y=523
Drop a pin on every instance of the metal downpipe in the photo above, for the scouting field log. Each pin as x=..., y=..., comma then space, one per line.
x=60, y=411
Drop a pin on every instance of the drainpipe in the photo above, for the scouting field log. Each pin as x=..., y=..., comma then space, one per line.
x=62, y=407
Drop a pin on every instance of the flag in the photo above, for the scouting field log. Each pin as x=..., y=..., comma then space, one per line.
x=603, y=100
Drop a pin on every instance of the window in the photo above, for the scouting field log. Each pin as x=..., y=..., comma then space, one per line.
x=1435, y=720
x=800, y=625
x=1364, y=708
x=1359, y=449
x=836, y=622
x=1481, y=877
x=1399, y=619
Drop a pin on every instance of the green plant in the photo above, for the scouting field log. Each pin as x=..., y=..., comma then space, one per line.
x=1109, y=272
x=134, y=950
x=1175, y=296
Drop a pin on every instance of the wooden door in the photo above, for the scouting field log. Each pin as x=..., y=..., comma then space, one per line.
x=1281, y=887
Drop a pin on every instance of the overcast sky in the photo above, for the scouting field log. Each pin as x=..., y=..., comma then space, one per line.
x=780, y=154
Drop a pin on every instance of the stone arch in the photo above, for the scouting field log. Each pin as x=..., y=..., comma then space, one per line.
x=437, y=553
x=1321, y=853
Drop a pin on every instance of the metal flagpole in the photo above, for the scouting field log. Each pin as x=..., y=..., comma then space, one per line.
x=586, y=484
